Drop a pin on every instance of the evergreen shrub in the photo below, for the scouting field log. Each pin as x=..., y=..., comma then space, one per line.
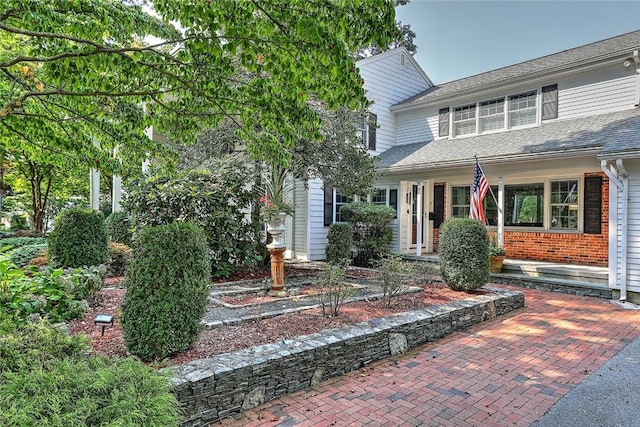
x=371, y=232
x=167, y=285
x=46, y=378
x=463, y=250
x=119, y=227
x=340, y=239
x=216, y=201
x=79, y=238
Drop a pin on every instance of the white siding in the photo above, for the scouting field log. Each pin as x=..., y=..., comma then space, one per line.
x=300, y=221
x=597, y=92
x=388, y=82
x=317, y=232
x=414, y=126
x=633, y=235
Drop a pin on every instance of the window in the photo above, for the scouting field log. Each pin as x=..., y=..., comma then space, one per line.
x=491, y=206
x=386, y=197
x=340, y=202
x=492, y=115
x=464, y=120
x=564, y=204
x=524, y=205
x=460, y=201
x=368, y=130
x=522, y=109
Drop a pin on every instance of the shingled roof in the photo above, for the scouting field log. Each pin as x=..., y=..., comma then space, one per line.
x=602, y=50
x=610, y=132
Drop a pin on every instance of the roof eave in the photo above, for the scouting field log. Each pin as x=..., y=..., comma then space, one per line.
x=505, y=83
x=492, y=160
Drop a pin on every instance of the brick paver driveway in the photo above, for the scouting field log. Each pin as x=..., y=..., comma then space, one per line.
x=505, y=372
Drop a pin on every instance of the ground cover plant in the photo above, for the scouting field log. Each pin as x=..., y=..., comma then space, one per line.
x=46, y=378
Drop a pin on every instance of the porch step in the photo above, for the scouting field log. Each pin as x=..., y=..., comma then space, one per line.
x=565, y=278
x=568, y=272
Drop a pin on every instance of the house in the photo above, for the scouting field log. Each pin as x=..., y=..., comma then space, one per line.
x=558, y=138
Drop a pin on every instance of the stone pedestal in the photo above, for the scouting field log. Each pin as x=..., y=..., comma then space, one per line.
x=277, y=272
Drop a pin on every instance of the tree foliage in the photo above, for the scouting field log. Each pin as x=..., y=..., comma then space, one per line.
x=75, y=72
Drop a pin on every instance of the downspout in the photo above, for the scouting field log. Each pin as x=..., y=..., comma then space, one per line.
x=622, y=184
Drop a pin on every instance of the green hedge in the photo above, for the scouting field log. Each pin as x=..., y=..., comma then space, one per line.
x=371, y=232
x=79, y=238
x=167, y=285
x=463, y=250
x=340, y=242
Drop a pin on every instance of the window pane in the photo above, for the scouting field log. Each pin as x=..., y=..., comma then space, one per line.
x=524, y=205
x=492, y=115
x=464, y=120
x=379, y=197
x=490, y=207
x=564, y=204
x=522, y=109
x=460, y=201
x=341, y=201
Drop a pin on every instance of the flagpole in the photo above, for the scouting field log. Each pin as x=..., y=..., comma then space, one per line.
x=495, y=200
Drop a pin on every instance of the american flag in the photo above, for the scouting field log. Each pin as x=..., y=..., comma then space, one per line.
x=480, y=188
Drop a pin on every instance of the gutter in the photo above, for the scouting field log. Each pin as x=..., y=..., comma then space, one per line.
x=622, y=184
x=493, y=159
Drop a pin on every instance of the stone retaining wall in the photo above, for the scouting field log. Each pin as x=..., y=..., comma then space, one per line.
x=218, y=387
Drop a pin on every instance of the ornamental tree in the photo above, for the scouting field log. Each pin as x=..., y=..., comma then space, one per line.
x=103, y=70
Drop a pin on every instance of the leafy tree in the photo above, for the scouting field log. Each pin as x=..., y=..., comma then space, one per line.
x=75, y=72
x=404, y=37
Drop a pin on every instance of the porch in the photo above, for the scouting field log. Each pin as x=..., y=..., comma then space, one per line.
x=574, y=279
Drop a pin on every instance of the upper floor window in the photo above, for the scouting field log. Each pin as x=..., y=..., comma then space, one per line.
x=464, y=120
x=522, y=109
x=368, y=130
x=492, y=115
x=499, y=113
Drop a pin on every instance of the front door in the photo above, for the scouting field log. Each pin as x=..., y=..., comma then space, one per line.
x=417, y=198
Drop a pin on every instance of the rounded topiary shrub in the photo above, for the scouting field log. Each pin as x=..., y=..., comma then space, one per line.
x=464, y=254
x=79, y=238
x=119, y=228
x=167, y=285
x=371, y=232
x=340, y=239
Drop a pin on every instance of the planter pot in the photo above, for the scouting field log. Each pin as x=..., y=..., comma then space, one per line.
x=495, y=263
x=276, y=229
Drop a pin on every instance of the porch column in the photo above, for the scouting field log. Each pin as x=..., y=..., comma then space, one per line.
x=116, y=194
x=94, y=185
x=419, y=222
x=500, y=212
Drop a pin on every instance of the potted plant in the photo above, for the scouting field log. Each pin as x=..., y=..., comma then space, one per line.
x=497, y=254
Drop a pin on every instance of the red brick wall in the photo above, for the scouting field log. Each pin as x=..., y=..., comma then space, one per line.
x=569, y=248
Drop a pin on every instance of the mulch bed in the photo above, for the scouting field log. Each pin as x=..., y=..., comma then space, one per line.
x=230, y=338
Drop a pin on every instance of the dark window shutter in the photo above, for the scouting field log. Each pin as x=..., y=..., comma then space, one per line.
x=373, y=126
x=393, y=200
x=592, y=205
x=443, y=124
x=438, y=205
x=550, y=102
x=328, y=205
